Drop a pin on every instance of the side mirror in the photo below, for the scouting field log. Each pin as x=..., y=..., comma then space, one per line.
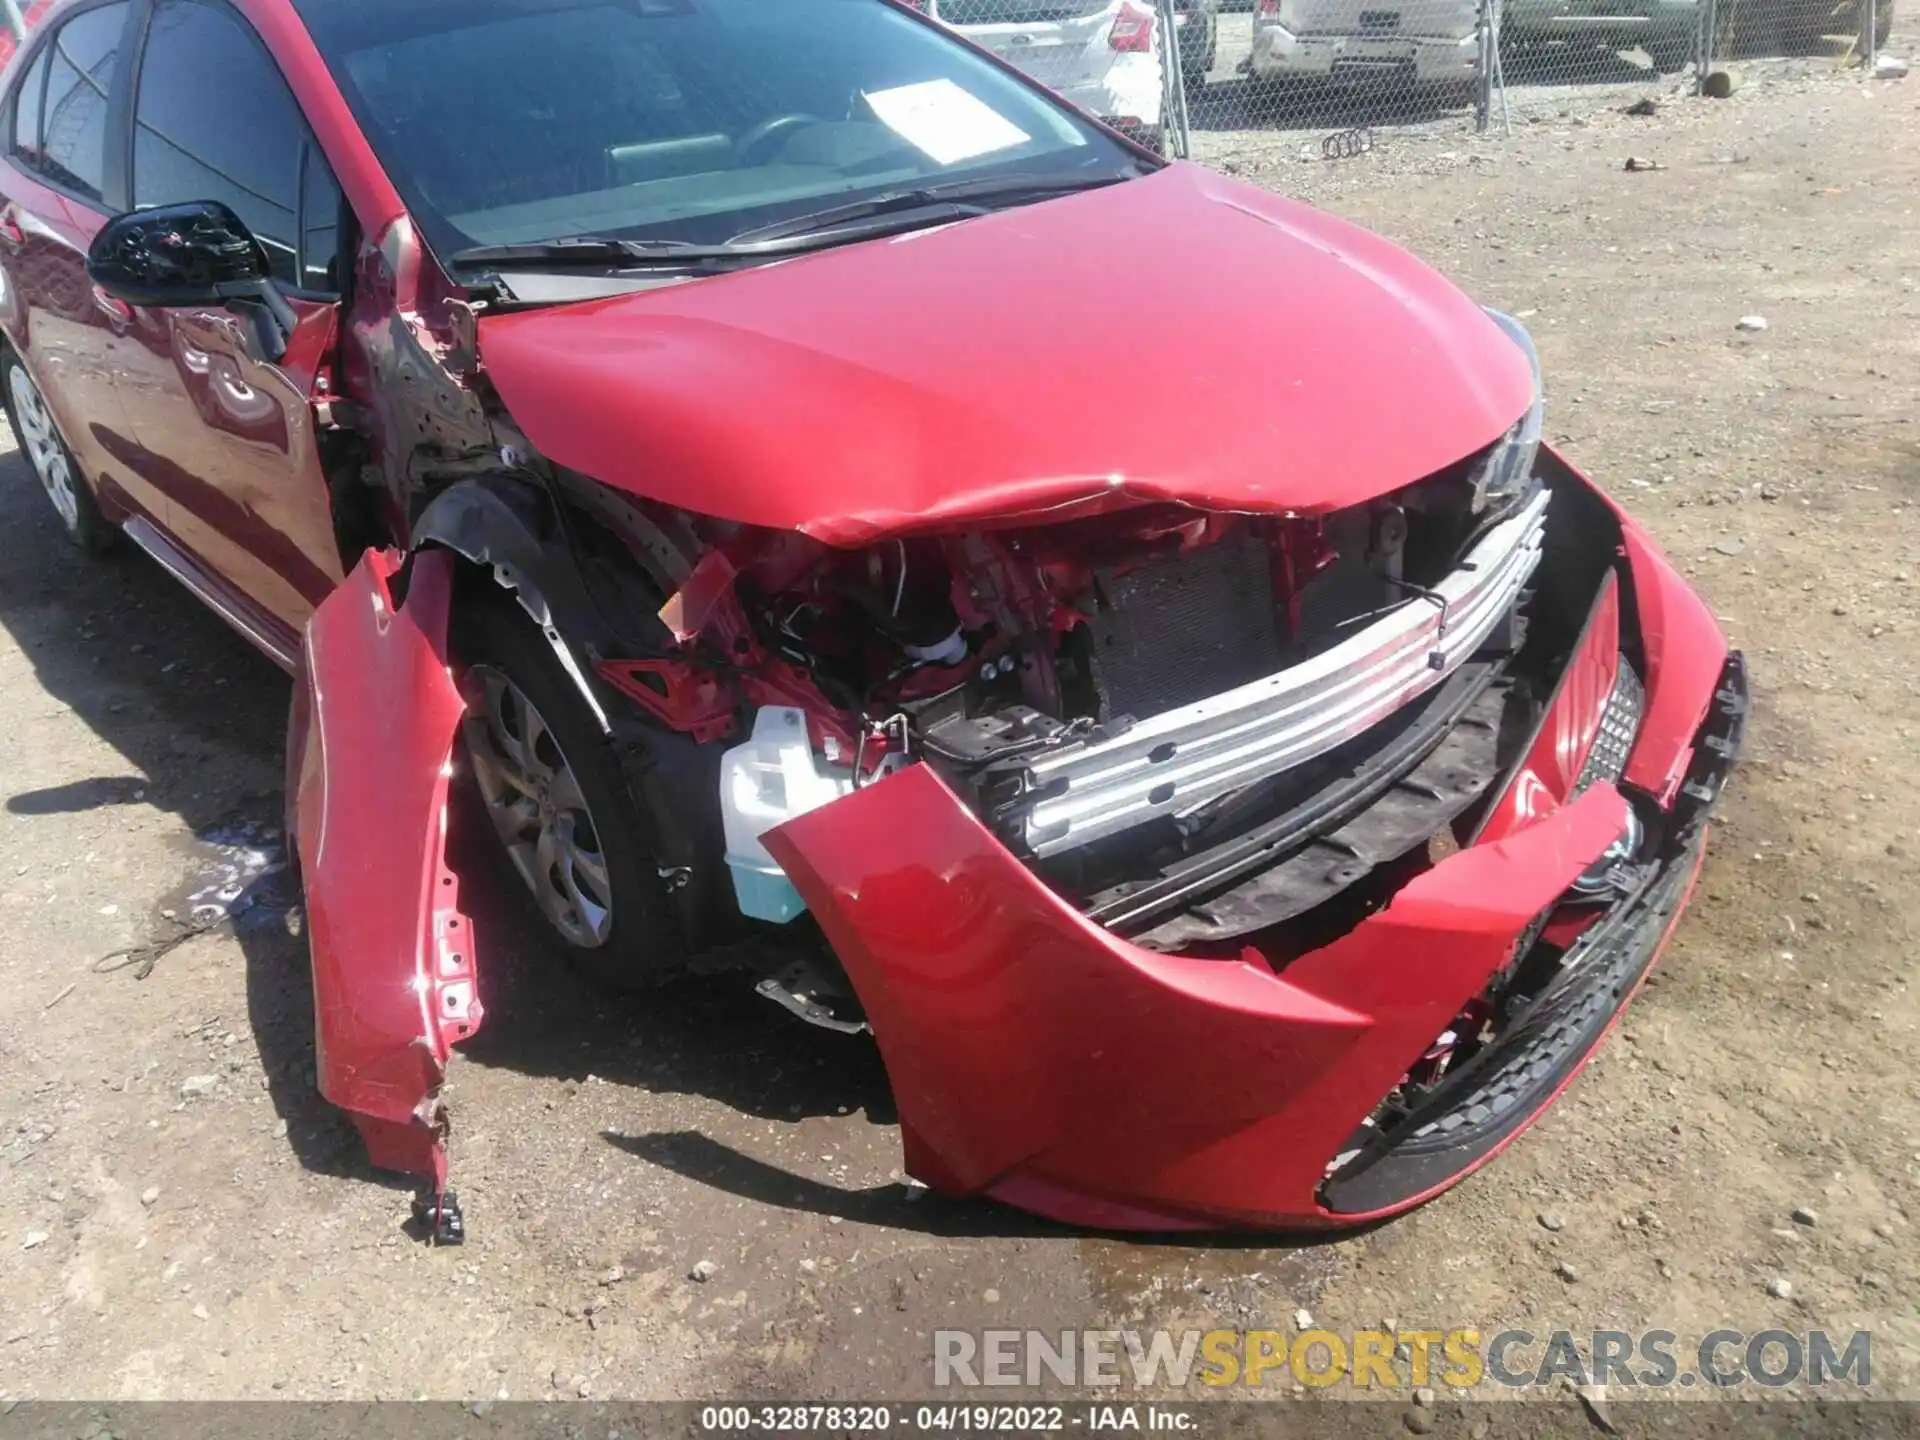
x=195, y=255
x=198, y=254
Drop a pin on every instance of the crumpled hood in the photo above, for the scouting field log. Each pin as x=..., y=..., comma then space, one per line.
x=1179, y=337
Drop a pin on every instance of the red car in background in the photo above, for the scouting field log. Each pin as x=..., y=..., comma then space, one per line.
x=1235, y=769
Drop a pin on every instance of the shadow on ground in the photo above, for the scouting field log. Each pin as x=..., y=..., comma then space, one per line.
x=1241, y=104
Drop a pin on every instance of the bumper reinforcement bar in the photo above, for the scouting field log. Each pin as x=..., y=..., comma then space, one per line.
x=1183, y=759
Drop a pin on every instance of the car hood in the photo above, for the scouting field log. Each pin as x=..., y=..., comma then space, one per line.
x=1179, y=337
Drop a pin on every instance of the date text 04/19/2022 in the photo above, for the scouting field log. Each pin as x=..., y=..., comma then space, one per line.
x=943, y=1418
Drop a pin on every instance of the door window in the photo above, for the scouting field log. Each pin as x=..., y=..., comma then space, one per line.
x=60, y=127
x=320, y=203
x=215, y=120
x=26, y=112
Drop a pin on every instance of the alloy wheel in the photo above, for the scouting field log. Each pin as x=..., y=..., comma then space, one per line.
x=41, y=441
x=538, y=808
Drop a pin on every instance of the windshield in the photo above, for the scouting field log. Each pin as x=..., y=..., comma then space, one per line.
x=520, y=121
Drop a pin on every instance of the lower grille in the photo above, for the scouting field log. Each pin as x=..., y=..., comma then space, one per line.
x=1492, y=1094
x=1487, y=1103
x=1619, y=724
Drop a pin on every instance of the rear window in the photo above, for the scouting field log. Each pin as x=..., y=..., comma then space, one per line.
x=26, y=112
x=61, y=124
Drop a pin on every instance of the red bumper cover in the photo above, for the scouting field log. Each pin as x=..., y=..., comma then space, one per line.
x=1038, y=1058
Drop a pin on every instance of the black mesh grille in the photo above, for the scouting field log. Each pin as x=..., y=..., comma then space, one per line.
x=1619, y=724
x=1186, y=628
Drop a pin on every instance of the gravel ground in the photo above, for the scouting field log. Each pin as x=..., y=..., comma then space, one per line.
x=180, y=1216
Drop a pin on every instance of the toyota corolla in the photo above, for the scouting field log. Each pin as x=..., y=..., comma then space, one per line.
x=1113, y=633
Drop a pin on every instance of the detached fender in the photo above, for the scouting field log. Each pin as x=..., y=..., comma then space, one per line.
x=393, y=957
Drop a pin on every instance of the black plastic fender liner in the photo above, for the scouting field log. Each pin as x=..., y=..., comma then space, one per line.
x=508, y=527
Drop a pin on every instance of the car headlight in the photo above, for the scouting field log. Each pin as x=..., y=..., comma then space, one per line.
x=1508, y=466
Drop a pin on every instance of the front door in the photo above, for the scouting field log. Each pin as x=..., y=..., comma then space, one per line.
x=229, y=435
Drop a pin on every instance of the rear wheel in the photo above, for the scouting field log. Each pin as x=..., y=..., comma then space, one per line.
x=558, y=802
x=1197, y=60
x=52, y=463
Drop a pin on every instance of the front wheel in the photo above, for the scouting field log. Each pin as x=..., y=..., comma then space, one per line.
x=558, y=802
x=52, y=463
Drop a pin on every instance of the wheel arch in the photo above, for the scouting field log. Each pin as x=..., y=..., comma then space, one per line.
x=513, y=534
x=504, y=529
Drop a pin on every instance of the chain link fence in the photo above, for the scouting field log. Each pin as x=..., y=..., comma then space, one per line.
x=1173, y=71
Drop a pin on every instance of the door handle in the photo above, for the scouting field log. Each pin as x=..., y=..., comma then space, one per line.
x=11, y=235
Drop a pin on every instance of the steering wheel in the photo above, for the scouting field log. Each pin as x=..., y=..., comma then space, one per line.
x=774, y=127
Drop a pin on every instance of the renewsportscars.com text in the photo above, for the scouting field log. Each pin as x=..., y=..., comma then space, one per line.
x=1385, y=1359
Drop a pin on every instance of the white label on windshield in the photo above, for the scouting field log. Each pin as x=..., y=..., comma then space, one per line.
x=944, y=121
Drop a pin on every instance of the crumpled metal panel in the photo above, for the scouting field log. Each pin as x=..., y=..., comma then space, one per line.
x=936, y=379
x=393, y=956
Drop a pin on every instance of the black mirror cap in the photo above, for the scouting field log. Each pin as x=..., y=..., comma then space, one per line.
x=194, y=254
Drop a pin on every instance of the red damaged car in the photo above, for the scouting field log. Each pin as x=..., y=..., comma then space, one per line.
x=1114, y=632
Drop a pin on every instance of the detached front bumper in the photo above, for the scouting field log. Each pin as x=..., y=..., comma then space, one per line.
x=1429, y=59
x=1039, y=1058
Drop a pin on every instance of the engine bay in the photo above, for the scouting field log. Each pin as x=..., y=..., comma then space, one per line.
x=1144, y=706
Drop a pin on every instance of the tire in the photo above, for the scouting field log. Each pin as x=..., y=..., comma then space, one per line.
x=1195, y=68
x=580, y=848
x=1798, y=26
x=46, y=455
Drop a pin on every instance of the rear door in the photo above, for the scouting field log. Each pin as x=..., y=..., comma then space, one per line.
x=61, y=180
x=230, y=436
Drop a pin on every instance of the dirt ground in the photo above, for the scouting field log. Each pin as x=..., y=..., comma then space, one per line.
x=180, y=1215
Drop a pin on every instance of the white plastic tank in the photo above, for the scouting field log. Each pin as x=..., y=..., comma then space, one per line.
x=765, y=782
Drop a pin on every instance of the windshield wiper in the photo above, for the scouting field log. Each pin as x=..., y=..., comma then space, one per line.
x=966, y=197
x=954, y=200
x=594, y=251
